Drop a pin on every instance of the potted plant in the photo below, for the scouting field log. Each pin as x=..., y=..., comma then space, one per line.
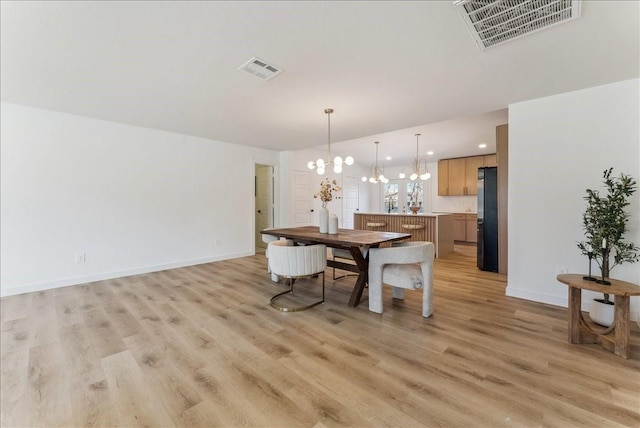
x=605, y=223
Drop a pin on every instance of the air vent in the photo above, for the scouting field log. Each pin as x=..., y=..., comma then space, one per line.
x=493, y=22
x=260, y=68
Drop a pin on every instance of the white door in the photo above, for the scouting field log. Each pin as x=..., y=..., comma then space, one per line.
x=264, y=201
x=351, y=193
x=302, y=199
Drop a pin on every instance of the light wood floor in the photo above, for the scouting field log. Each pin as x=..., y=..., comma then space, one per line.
x=200, y=346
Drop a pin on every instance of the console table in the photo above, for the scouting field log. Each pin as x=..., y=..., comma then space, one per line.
x=614, y=338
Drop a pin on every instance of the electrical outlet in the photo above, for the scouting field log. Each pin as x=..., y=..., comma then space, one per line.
x=81, y=258
x=218, y=242
x=561, y=269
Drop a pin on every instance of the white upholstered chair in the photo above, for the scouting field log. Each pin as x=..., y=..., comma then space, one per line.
x=266, y=238
x=407, y=265
x=295, y=262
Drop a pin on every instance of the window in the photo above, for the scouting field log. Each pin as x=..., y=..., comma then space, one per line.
x=415, y=193
x=396, y=196
x=391, y=197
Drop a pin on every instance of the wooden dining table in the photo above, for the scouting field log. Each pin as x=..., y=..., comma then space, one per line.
x=357, y=242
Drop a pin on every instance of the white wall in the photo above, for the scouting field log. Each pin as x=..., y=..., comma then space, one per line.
x=558, y=147
x=133, y=199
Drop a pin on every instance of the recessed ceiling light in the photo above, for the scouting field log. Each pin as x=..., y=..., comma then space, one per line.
x=430, y=153
x=482, y=146
x=388, y=158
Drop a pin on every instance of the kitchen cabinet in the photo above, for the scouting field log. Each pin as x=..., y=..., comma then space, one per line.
x=490, y=160
x=471, y=174
x=465, y=227
x=443, y=177
x=459, y=176
x=459, y=227
x=502, y=146
x=457, y=179
x=471, y=229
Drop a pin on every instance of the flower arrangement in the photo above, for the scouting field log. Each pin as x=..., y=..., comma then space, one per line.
x=327, y=188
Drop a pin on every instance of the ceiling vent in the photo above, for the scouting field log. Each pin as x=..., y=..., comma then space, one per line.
x=260, y=68
x=493, y=22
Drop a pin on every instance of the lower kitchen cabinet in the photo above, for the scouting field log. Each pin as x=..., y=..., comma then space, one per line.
x=465, y=227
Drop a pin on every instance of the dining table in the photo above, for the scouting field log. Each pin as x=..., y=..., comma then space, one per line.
x=357, y=242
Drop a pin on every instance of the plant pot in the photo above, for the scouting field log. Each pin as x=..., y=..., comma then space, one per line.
x=601, y=312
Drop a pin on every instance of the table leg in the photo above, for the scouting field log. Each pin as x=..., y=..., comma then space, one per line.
x=621, y=319
x=575, y=303
x=363, y=275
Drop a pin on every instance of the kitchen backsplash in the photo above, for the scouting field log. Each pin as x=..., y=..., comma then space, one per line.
x=455, y=204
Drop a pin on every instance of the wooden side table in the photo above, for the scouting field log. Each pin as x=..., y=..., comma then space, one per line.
x=614, y=338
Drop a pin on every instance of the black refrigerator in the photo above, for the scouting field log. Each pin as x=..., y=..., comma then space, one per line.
x=488, y=219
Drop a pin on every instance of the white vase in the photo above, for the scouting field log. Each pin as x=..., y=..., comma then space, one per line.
x=601, y=313
x=333, y=224
x=323, y=220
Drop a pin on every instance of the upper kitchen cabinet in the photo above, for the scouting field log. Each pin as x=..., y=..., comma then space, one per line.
x=459, y=176
x=490, y=160
x=443, y=177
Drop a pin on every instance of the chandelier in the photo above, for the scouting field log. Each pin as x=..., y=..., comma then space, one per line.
x=377, y=171
x=418, y=167
x=321, y=164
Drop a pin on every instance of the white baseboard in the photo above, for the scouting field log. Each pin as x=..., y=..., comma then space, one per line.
x=48, y=285
x=555, y=300
x=537, y=297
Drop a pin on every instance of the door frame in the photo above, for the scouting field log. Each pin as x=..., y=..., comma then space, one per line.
x=274, y=203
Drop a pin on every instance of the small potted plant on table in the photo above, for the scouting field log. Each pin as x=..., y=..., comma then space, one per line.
x=605, y=223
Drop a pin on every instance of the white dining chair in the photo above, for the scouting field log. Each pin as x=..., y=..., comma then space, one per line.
x=407, y=265
x=266, y=238
x=293, y=262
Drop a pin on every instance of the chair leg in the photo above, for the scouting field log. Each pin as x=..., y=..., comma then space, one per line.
x=397, y=293
x=290, y=291
x=427, y=306
x=375, y=297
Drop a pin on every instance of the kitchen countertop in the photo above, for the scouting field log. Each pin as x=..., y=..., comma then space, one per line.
x=458, y=212
x=410, y=214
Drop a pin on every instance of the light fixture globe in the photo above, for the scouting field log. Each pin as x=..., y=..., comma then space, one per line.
x=320, y=165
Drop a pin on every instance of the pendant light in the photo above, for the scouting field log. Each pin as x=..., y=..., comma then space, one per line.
x=418, y=168
x=320, y=164
x=377, y=171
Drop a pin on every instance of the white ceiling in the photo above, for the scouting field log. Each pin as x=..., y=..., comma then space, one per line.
x=389, y=69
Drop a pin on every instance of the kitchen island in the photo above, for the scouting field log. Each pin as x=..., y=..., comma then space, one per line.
x=432, y=227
